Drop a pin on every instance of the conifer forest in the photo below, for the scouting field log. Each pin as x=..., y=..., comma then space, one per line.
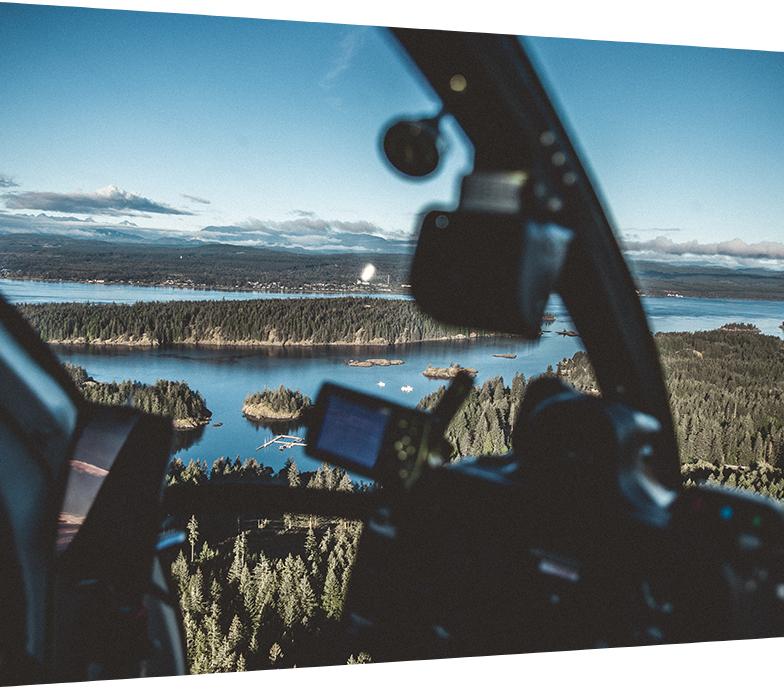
x=261, y=595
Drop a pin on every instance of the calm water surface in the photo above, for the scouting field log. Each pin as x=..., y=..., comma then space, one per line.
x=224, y=377
x=72, y=291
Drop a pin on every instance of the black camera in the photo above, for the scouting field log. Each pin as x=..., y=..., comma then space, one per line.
x=379, y=439
x=367, y=435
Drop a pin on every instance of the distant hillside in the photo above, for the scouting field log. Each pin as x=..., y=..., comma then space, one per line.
x=232, y=267
x=659, y=278
x=210, y=265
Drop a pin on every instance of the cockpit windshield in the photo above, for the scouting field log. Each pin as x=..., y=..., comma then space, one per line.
x=250, y=240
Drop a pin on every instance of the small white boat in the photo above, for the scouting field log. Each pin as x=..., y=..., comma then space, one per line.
x=406, y=388
x=381, y=384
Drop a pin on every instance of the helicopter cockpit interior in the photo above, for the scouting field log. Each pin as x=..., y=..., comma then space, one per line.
x=582, y=536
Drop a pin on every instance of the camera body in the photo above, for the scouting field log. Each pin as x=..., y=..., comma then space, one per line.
x=368, y=435
x=565, y=543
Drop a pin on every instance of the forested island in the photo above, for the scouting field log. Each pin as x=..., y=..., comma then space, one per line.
x=164, y=398
x=292, y=322
x=740, y=327
x=374, y=362
x=280, y=404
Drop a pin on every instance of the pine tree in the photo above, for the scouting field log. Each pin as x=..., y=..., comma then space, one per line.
x=307, y=598
x=292, y=473
x=275, y=655
x=199, y=656
x=195, y=594
x=313, y=556
x=216, y=592
x=326, y=542
x=240, y=550
x=236, y=636
x=193, y=534
x=214, y=634
x=179, y=570
x=206, y=553
x=332, y=596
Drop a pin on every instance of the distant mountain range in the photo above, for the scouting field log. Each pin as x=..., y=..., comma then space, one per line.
x=335, y=239
x=126, y=256
x=708, y=281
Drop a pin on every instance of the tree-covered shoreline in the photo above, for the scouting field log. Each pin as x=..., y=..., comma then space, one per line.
x=222, y=266
x=176, y=400
x=251, y=323
x=727, y=399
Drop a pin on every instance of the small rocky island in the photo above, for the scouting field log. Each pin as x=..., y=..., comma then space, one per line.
x=505, y=355
x=447, y=373
x=371, y=362
x=281, y=404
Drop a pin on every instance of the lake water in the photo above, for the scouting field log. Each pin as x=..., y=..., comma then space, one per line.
x=224, y=377
x=72, y=291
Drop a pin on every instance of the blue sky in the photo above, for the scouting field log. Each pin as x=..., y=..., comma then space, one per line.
x=110, y=118
x=686, y=142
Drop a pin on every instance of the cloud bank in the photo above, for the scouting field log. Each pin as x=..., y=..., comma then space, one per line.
x=735, y=248
x=305, y=233
x=309, y=232
x=109, y=200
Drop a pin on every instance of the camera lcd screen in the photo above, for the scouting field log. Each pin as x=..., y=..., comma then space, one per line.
x=352, y=431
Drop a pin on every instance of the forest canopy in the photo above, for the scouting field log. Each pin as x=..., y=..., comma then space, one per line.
x=727, y=398
x=275, y=404
x=301, y=321
x=164, y=398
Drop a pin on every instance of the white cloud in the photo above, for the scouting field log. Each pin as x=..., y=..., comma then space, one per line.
x=348, y=48
x=737, y=248
x=110, y=200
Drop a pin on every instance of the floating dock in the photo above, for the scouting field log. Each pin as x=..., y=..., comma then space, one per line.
x=284, y=442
